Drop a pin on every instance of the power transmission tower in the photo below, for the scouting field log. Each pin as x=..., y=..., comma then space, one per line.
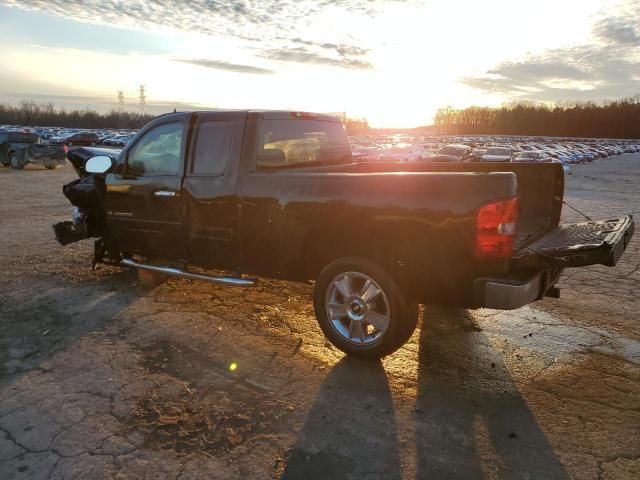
x=143, y=99
x=120, y=101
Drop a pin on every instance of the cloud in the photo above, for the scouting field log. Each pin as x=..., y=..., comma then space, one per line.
x=229, y=67
x=270, y=26
x=619, y=30
x=607, y=68
x=302, y=55
x=341, y=49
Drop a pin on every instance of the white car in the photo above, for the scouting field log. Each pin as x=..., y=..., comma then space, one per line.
x=497, y=154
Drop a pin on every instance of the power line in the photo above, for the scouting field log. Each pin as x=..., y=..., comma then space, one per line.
x=120, y=101
x=143, y=99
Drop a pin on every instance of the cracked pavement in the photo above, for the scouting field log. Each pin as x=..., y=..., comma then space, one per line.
x=101, y=377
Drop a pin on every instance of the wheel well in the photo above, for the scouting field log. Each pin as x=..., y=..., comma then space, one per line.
x=321, y=248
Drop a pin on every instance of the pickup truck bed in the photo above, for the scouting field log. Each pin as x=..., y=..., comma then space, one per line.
x=540, y=188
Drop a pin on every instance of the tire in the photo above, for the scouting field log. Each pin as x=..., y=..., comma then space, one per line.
x=350, y=285
x=15, y=161
x=50, y=166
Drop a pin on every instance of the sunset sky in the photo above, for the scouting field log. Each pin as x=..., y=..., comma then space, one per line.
x=393, y=62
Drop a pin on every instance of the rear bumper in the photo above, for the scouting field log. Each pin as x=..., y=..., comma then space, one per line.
x=509, y=294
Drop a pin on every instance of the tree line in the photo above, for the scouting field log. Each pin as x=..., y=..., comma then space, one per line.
x=29, y=113
x=613, y=119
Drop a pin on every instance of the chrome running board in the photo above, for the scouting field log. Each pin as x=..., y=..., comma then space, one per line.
x=176, y=272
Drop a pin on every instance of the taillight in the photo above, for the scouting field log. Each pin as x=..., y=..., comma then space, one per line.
x=496, y=229
x=66, y=148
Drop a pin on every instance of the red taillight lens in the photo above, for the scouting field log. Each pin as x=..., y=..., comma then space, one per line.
x=66, y=148
x=496, y=229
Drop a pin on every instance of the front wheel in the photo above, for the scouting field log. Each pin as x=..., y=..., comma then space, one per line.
x=15, y=161
x=361, y=309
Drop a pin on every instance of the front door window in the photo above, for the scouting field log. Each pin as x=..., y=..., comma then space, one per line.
x=157, y=152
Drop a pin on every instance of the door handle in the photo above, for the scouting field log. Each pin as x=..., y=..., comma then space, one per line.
x=164, y=193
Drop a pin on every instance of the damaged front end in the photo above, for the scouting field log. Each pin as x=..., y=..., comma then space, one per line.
x=87, y=195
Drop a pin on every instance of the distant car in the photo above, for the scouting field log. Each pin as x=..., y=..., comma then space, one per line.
x=119, y=140
x=497, y=154
x=477, y=153
x=21, y=148
x=452, y=153
x=531, y=157
x=104, y=136
x=77, y=139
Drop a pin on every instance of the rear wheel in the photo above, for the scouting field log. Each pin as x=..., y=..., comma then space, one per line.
x=361, y=309
x=15, y=161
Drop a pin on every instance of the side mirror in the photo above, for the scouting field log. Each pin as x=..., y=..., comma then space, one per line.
x=100, y=164
x=135, y=169
x=272, y=157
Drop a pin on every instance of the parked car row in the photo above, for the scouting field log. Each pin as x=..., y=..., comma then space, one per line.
x=77, y=137
x=47, y=146
x=396, y=148
x=407, y=148
x=19, y=148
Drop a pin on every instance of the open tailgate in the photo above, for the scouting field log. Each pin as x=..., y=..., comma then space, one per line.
x=579, y=244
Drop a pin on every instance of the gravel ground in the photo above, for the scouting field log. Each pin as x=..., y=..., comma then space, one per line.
x=101, y=377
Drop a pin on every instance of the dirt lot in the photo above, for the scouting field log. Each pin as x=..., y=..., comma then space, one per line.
x=102, y=378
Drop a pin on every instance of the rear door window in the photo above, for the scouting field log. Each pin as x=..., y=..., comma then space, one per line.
x=212, y=148
x=297, y=143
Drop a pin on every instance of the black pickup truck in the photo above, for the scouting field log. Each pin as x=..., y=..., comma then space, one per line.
x=21, y=148
x=278, y=194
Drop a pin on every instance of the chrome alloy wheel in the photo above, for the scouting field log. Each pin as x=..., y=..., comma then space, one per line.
x=357, y=308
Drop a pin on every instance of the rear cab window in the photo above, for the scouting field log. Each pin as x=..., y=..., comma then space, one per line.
x=301, y=142
x=212, y=151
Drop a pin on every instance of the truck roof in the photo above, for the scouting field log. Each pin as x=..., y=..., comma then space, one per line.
x=270, y=114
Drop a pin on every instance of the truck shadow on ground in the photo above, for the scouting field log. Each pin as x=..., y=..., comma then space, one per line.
x=470, y=420
x=350, y=430
x=52, y=315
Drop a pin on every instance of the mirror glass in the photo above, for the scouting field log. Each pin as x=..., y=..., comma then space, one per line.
x=99, y=164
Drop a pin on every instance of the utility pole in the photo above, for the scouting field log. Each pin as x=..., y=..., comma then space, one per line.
x=143, y=99
x=120, y=101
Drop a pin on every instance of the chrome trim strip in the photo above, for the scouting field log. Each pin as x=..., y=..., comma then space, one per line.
x=176, y=272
